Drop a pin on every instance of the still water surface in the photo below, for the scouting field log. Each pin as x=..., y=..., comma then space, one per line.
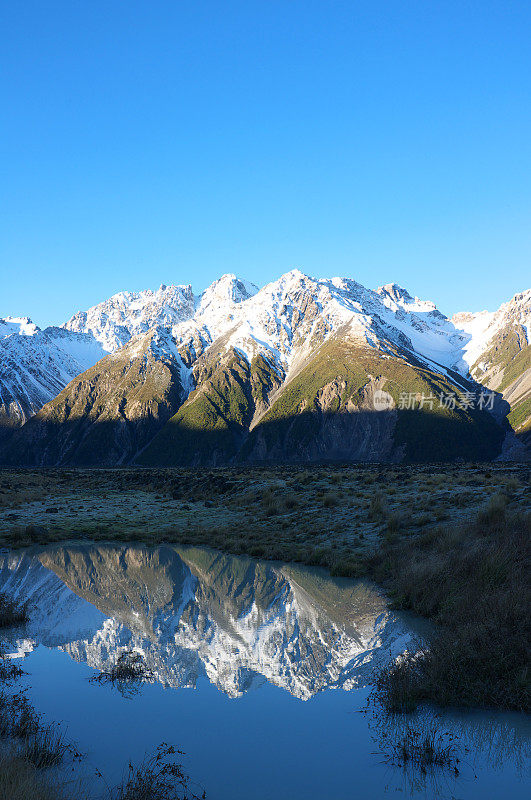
x=260, y=673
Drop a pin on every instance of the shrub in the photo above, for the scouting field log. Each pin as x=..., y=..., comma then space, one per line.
x=127, y=674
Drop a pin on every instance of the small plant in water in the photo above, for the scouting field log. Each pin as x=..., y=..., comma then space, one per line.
x=425, y=746
x=426, y=753
x=157, y=777
x=129, y=672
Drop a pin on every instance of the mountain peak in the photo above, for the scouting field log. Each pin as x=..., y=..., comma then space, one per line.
x=296, y=276
x=394, y=294
x=395, y=291
x=23, y=326
x=227, y=288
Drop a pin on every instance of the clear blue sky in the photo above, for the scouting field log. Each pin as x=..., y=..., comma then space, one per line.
x=157, y=142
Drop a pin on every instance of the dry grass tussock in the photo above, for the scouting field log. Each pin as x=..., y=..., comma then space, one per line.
x=157, y=777
x=42, y=745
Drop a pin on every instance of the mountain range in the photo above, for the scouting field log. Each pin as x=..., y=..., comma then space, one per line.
x=302, y=369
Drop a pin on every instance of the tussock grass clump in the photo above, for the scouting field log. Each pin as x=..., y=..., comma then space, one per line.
x=377, y=507
x=270, y=503
x=290, y=501
x=275, y=503
x=158, y=777
x=11, y=612
x=512, y=485
x=398, y=686
x=38, y=744
x=347, y=568
x=474, y=582
x=45, y=747
x=395, y=521
x=330, y=500
x=424, y=746
x=494, y=512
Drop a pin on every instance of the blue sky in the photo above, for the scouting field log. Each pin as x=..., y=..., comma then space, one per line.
x=169, y=142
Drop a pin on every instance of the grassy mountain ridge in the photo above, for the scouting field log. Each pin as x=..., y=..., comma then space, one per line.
x=325, y=411
x=505, y=367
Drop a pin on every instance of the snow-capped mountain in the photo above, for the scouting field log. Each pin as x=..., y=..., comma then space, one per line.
x=283, y=320
x=498, y=353
x=482, y=327
x=194, y=613
x=115, y=321
x=36, y=364
x=265, y=345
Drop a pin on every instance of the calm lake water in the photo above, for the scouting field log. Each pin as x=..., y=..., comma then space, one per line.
x=260, y=674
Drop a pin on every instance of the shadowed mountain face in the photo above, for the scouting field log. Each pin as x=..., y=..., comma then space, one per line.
x=35, y=365
x=244, y=412
x=107, y=414
x=194, y=613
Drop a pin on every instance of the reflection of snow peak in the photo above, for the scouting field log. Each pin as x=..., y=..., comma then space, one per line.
x=193, y=613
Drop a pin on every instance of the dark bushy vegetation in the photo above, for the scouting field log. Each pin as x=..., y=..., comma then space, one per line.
x=43, y=745
x=473, y=581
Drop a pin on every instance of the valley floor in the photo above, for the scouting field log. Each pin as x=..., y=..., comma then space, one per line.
x=330, y=516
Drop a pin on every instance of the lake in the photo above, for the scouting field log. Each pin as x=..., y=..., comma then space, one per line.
x=260, y=672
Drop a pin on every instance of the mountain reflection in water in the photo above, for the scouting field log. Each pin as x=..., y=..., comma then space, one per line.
x=193, y=612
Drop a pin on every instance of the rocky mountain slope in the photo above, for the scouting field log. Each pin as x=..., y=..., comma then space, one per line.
x=302, y=369
x=110, y=412
x=35, y=365
x=499, y=353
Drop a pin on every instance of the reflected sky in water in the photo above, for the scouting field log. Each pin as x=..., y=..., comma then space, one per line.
x=259, y=673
